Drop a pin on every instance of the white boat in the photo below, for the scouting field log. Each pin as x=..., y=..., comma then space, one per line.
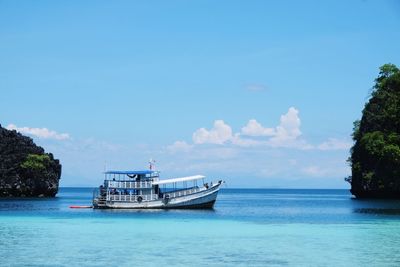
x=144, y=190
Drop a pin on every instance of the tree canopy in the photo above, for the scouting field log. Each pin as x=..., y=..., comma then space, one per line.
x=375, y=156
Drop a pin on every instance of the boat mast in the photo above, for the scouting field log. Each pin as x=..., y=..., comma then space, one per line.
x=152, y=163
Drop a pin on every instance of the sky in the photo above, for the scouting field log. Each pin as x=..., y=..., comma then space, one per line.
x=262, y=94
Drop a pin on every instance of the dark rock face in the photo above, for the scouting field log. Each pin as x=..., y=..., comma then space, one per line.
x=375, y=156
x=25, y=169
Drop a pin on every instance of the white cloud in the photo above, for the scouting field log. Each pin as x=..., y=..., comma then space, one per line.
x=284, y=135
x=253, y=128
x=335, y=144
x=238, y=140
x=39, y=132
x=219, y=134
x=288, y=129
x=179, y=146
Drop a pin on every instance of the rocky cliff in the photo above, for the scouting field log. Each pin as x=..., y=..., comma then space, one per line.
x=375, y=156
x=25, y=169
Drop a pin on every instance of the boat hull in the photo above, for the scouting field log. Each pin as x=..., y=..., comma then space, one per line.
x=200, y=200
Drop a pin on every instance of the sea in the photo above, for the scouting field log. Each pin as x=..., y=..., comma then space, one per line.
x=247, y=227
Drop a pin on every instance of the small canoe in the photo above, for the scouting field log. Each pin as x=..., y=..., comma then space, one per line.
x=80, y=207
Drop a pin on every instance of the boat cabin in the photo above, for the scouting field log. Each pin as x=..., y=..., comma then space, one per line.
x=138, y=186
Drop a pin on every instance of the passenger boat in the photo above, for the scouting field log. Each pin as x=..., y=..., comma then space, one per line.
x=144, y=190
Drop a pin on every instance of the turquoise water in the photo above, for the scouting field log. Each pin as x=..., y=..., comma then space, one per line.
x=246, y=228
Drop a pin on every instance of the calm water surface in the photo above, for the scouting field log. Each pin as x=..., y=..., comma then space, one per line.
x=260, y=227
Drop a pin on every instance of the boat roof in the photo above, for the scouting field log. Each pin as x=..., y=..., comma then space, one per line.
x=181, y=179
x=131, y=172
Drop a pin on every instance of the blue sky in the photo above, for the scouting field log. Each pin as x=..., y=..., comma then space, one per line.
x=260, y=93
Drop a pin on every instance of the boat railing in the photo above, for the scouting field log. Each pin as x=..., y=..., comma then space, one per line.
x=129, y=184
x=183, y=192
x=135, y=198
x=131, y=198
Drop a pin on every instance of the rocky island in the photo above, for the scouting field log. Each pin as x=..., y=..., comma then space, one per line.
x=375, y=156
x=25, y=169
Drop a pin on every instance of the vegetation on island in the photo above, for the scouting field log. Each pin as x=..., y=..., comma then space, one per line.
x=36, y=162
x=375, y=156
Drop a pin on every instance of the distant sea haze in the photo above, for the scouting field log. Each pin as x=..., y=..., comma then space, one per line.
x=248, y=227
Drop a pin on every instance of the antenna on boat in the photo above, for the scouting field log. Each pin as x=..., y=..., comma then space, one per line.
x=152, y=163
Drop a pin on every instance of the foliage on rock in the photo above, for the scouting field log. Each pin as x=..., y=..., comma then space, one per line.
x=36, y=162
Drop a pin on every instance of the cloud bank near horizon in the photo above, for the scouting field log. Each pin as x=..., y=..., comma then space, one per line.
x=285, y=135
x=280, y=154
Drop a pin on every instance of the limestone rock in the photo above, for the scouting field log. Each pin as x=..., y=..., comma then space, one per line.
x=25, y=169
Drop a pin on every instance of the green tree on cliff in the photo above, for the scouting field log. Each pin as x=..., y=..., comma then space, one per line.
x=375, y=156
x=36, y=162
